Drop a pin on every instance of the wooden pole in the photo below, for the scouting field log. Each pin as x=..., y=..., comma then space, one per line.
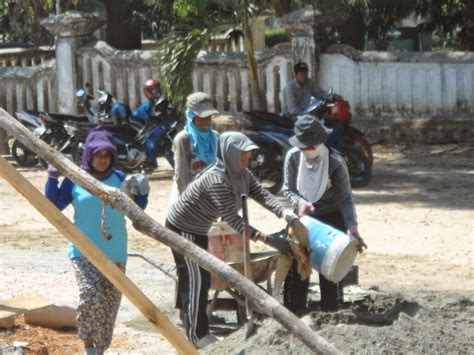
x=258, y=298
x=96, y=257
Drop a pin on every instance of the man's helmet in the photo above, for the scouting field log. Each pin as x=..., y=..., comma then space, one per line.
x=152, y=89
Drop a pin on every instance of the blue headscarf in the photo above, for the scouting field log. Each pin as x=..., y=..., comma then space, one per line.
x=204, y=143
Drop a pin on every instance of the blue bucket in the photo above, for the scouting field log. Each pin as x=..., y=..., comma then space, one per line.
x=332, y=252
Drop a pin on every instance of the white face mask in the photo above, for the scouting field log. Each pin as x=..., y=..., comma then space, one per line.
x=314, y=156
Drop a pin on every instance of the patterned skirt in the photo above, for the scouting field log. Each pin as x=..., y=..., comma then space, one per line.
x=99, y=303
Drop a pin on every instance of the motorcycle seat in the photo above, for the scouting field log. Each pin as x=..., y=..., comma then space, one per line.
x=64, y=117
x=263, y=116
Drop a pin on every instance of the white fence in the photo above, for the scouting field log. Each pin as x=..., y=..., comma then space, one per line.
x=442, y=86
x=401, y=89
x=33, y=88
x=123, y=73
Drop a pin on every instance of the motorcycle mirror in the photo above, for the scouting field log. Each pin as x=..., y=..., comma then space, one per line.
x=313, y=107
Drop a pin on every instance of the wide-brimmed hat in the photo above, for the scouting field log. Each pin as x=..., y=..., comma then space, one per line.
x=200, y=103
x=308, y=132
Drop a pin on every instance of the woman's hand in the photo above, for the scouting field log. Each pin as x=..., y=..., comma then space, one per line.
x=354, y=232
x=305, y=209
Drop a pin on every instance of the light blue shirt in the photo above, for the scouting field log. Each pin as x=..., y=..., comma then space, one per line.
x=87, y=217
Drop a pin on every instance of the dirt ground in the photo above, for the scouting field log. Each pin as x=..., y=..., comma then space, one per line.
x=416, y=278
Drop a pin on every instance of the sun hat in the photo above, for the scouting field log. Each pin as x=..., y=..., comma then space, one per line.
x=200, y=103
x=308, y=132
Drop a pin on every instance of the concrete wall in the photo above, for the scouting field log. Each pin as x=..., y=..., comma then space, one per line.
x=439, y=85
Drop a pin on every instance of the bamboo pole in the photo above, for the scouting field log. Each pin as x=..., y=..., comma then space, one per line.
x=258, y=298
x=96, y=257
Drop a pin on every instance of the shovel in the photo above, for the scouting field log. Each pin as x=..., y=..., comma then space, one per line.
x=247, y=265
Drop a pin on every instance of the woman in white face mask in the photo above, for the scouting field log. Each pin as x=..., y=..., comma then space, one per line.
x=317, y=184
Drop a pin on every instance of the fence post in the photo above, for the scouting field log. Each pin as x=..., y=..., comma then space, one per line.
x=71, y=29
x=299, y=25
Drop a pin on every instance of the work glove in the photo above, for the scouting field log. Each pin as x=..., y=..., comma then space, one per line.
x=136, y=184
x=296, y=228
x=278, y=241
x=53, y=172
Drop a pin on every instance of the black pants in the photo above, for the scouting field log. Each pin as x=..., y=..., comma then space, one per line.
x=193, y=288
x=295, y=290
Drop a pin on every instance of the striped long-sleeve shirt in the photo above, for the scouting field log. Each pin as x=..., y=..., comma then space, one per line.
x=338, y=195
x=210, y=197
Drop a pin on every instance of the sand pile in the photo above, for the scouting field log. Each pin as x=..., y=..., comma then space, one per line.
x=428, y=323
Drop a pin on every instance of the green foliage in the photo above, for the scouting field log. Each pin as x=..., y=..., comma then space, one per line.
x=351, y=21
x=452, y=20
x=176, y=62
x=275, y=35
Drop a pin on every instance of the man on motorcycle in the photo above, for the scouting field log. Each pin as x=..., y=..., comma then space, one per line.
x=297, y=93
x=152, y=92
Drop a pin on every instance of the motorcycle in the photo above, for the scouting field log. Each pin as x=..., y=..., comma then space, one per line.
x=49, y=127
x=271, y=132
x=131, y=141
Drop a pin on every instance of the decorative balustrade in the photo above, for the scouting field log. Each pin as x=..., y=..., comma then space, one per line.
x=25, y=57
x=122, y=73
x=33, y=88
x=225, y=77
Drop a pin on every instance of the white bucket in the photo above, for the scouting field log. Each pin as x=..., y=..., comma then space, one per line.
x=332, y=252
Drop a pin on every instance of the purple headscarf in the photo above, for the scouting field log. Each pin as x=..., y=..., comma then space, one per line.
x=97, y=139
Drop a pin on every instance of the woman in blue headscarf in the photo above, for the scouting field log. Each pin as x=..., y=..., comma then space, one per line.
x=195, y=146
x=194, y=149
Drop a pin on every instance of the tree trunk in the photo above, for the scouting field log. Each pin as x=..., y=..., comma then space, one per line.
x=259, y=101
x=121, y=32
x=258, y=298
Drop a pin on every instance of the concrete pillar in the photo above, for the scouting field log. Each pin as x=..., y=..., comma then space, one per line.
x=258, y=33
x=72, y=29
x=299, y=25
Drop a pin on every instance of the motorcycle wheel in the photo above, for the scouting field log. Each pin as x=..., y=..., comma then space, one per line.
x=359, y=167
x=270, y=175
x=23, y=156
x=366, y=148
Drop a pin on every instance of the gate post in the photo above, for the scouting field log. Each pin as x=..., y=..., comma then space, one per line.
x=71, y=29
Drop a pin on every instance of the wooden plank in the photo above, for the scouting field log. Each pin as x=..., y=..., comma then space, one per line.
x=96, y=257
x=22, y=303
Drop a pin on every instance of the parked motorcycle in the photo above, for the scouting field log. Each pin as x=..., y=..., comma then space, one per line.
x=49, y=127
x=131, y=141
x=271, y=132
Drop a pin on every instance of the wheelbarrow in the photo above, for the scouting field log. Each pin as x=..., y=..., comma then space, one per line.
x=226, y=244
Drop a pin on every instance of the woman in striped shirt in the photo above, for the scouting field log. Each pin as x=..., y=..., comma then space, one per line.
x=216, y=193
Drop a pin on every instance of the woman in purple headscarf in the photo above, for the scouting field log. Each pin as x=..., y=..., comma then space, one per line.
x=99, y=300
